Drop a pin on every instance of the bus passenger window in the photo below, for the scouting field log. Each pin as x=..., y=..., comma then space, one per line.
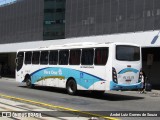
x=63, y=57
x=28, y=56
x=87, y=56
x=101, y=56
x=35, y=57
x=53, y=57
x=44, y=57
x=74, y=57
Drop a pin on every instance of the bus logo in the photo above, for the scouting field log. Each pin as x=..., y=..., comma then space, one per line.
x=60, y=72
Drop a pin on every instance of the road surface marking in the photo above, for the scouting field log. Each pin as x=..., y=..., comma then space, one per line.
x=54, y=106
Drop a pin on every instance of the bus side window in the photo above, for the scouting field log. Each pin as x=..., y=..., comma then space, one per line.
x=74, y=57
x=87, y=56
x=53, y=57
x=101, y=56
x=63, y=57
x=28, y=56
x=44, y=57
x=35, y=57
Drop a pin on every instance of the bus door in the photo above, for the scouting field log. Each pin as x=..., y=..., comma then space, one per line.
x=87, y=69
x=19, y=65
x=100, y=61
x=126, y=65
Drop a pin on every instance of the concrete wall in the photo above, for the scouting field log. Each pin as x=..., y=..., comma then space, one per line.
x=11, y=62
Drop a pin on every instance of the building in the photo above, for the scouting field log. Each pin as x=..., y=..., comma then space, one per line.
x=45, y=22
x=136, y=21
x=24, y=21
x=101, y=17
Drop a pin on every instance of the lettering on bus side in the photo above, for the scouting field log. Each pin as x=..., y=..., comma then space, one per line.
x=88, y=66
x=50, y=72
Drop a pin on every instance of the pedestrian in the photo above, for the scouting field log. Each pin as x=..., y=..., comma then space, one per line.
x=143, y=82
x=0, y=70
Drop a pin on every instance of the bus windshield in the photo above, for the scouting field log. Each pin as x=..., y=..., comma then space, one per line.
x=127, y=53
x=19, y=60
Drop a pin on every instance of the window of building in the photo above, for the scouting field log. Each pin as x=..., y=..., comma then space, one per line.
x=53, y=57
x=63, y=57
x=114, y=14
x=44, y=57
x=60, y=10
x=122, y=18
x=101, y=56
x=28, y=57
x=139, y=17
x=149, y=15
x=157, y=14
x=74, y=57
x=49, y=10
x=130, y=26
x=35, y=57
x=54, y=17
x=87, y=56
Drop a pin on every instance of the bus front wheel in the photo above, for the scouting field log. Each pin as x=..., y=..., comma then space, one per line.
x=71, y=87
x=29, y=83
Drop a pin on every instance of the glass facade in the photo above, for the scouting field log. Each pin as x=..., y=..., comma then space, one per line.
x=98, y=17
x=54, y=19
x=21, y=20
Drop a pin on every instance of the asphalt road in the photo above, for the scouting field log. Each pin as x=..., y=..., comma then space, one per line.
x=112, y=101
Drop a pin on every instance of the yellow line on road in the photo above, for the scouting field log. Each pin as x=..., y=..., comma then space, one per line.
x=54, y=106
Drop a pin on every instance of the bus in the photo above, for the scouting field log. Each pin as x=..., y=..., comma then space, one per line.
x=82, y=66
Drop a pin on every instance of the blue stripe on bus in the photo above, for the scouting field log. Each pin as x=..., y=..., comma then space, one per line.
x=82, y=78
x=128, y=70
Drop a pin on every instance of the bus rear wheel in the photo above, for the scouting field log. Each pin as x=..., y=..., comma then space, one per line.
x=71, y=87
x=29, y=83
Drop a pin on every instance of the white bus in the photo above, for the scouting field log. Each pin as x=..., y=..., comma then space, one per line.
x=81, y=66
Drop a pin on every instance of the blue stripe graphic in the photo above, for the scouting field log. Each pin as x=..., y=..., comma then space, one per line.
x=82, y=78
x=128, y=70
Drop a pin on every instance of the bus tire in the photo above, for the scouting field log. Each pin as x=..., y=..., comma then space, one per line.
x=71, y=87
x=29, y=83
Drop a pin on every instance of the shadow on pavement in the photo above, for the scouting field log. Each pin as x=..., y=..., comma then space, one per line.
x=95, y=95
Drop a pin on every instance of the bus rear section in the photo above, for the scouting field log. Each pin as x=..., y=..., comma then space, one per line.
x=126, y=67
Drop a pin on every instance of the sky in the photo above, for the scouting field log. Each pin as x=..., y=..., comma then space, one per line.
x=3, y=2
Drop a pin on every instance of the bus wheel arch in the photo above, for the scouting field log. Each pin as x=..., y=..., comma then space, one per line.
x=71, y=86
x=28, y=81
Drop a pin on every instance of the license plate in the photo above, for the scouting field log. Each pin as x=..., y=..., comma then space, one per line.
x=128, y=81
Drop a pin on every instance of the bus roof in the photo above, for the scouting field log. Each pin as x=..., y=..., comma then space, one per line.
x=78, y=45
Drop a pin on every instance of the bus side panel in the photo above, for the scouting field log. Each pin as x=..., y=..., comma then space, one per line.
x=101, y=72
x=93, y=77
x=46, y=80
x=85, y=80
x=19, y=75
x=109, y=68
